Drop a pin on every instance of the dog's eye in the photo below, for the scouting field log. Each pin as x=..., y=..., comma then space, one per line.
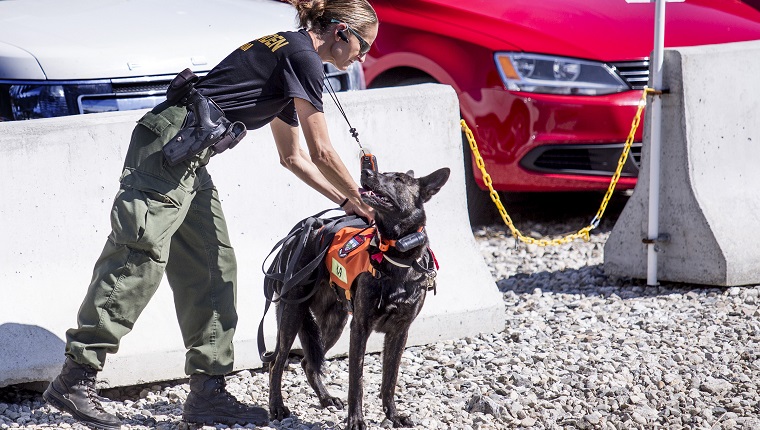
x=399, y=179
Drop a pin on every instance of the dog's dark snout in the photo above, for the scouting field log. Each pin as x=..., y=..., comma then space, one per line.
x=367, y=173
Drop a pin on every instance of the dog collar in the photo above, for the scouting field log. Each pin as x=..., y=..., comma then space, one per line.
x=385, y=244
x=427, y=263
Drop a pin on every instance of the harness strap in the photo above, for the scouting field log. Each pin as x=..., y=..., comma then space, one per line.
x=270, y=280
x=396, y=263
x=425, y=264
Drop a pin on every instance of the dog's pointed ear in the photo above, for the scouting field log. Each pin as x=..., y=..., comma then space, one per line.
x=432, y=183
x=410, y=173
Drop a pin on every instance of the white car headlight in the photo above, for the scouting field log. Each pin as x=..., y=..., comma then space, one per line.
x=547, y=74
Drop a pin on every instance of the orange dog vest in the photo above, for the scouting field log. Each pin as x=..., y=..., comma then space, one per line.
x=347, y=256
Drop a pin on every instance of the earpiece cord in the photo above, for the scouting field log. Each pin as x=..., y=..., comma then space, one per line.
x=334, y=96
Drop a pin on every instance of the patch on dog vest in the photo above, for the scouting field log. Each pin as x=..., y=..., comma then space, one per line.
x=338, y=271
x=347, y=256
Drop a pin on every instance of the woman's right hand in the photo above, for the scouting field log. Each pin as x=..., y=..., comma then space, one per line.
x=360, y=209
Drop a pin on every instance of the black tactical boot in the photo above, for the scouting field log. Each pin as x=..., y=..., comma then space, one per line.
x=210, y=403
x=73, y=391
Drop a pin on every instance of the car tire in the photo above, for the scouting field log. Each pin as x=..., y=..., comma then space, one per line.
x=481, y=209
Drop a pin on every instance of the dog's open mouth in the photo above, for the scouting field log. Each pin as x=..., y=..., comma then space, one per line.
x=375, y=199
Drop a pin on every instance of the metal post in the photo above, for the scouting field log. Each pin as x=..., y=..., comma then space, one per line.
x=655, y=124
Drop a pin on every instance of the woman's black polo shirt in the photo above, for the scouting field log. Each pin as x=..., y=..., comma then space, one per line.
x=258, y=81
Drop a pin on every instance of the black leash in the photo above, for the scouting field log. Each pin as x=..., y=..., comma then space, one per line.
x=282, y=272
x=334, y=96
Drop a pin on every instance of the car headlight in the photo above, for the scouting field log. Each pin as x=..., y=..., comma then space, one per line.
x=35, y=101
x=30, y=100
x=547, y=74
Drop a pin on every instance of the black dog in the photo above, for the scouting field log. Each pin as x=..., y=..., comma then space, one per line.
x=386, y=302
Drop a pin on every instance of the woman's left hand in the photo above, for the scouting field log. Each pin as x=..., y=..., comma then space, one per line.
x=360, y=209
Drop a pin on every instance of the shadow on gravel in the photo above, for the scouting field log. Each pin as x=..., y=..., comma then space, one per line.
x=591, y=281
x=556, y=214
x=559, y=208
x=146, y=400
x=142, y=395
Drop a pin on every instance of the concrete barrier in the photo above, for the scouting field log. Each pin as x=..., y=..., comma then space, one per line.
x=710, y=149
x=59, y=177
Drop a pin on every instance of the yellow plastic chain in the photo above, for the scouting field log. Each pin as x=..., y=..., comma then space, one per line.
x=582, y=233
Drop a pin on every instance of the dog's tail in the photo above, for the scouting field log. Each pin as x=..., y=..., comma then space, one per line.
x=311, y=342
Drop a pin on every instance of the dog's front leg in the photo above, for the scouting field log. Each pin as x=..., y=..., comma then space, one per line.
x=360, y=331
x=393, y=348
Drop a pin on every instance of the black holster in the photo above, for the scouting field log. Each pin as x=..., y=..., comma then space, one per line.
x=204, y=126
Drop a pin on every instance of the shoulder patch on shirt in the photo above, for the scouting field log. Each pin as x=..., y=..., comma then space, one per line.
x=274, y=41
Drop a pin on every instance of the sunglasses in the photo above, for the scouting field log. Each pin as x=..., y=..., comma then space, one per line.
x=363, y=45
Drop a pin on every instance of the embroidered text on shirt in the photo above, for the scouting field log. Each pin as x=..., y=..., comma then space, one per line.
x=274, y=41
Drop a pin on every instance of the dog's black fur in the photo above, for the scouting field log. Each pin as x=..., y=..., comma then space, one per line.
x=387, y=304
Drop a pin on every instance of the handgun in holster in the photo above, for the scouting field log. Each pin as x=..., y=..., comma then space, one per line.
x=204, y=125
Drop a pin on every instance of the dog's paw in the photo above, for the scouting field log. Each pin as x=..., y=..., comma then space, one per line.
x=278, y=412
x=355, y=423
x=331, y=401
x=399, y=421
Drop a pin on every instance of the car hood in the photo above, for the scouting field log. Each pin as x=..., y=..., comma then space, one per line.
x=91, y=39
x=605, y=30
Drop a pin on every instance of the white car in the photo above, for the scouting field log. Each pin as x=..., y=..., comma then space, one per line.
x=66, y=57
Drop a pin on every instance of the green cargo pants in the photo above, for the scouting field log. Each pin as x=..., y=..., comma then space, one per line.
x=164, y=219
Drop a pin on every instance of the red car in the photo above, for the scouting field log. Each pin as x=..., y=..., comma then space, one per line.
x=548, y=87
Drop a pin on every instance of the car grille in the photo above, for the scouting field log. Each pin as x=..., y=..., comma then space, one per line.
x=125, y=94
x=596, y=160
x=634, y=73
x=156, y=87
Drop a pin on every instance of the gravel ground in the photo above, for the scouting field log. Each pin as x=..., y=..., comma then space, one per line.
x=580, y=350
